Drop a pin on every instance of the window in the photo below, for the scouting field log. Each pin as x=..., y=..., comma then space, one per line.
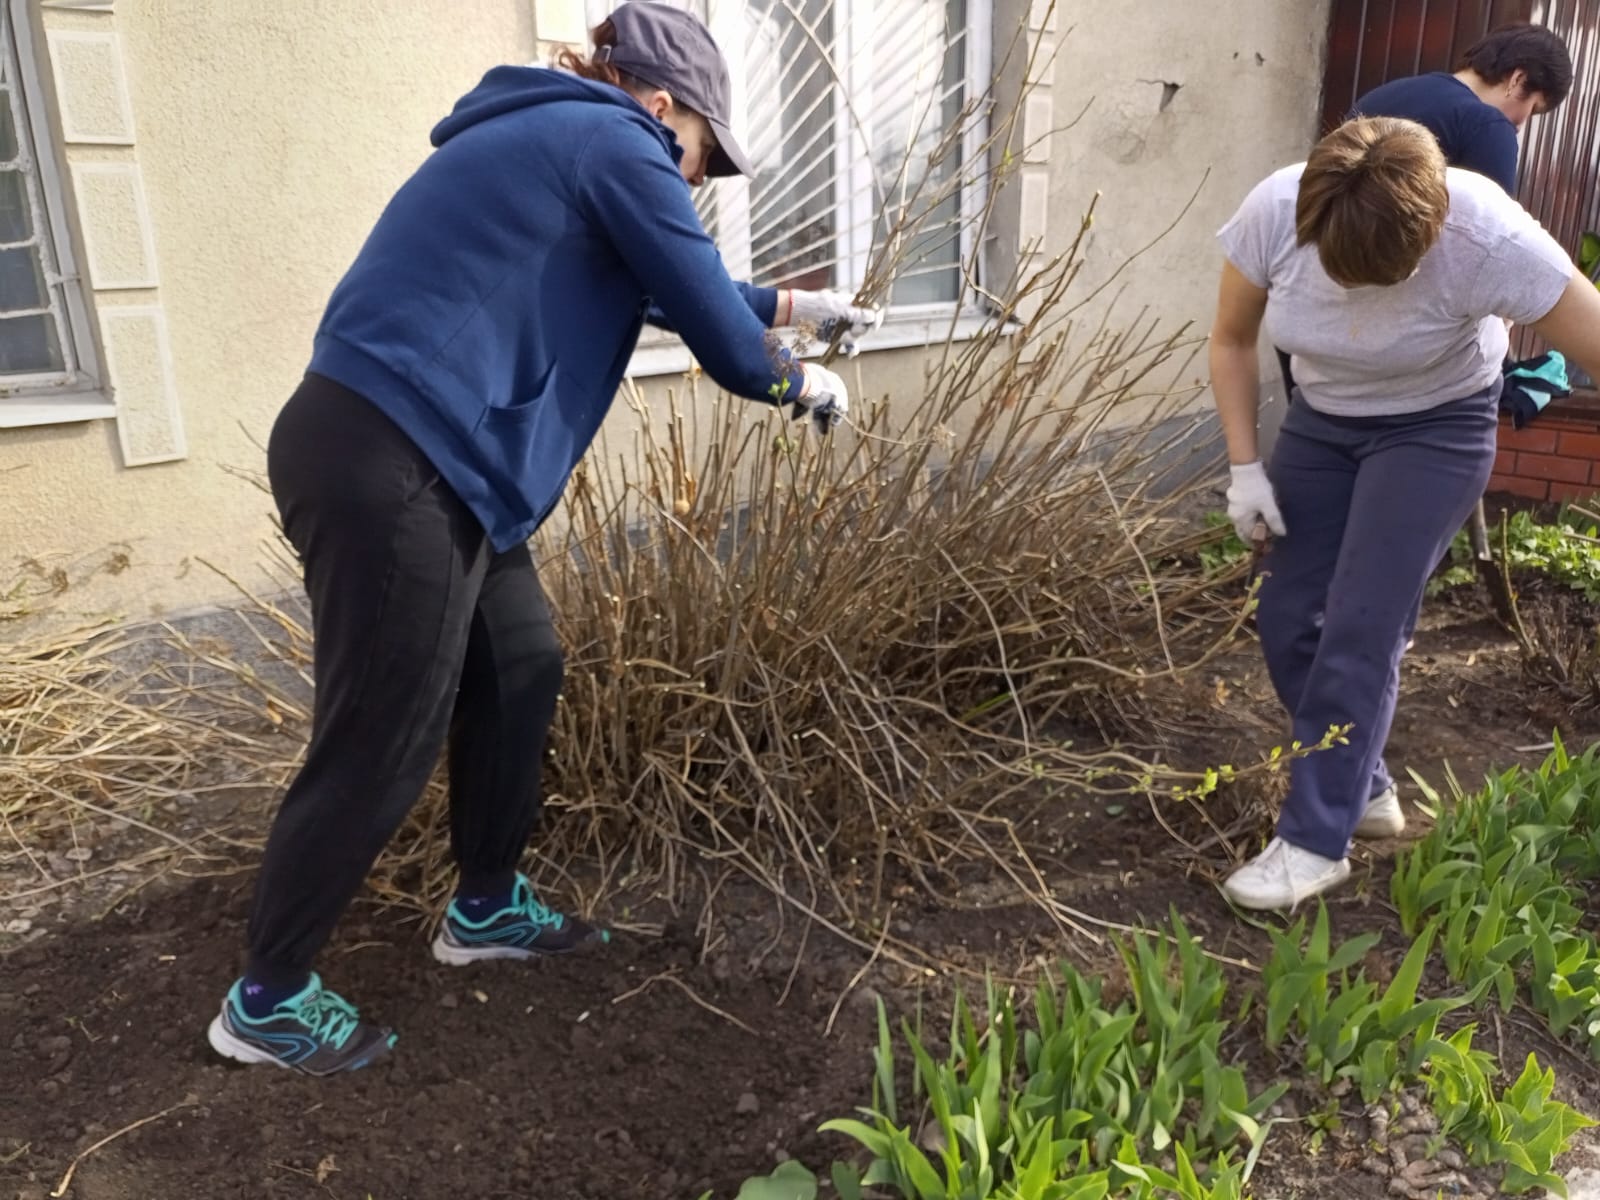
x=847, y=109
x=845, y=104
x=48, y=370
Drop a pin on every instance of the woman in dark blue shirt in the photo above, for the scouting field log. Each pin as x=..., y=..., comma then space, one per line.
x=1476, y=113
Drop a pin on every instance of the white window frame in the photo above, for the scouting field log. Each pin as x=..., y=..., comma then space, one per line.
x=76, y=393
x=905, y=325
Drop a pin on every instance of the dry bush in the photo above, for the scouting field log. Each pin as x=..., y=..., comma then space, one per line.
x=1545, y=602
x=822, y=660
x=895, y=637
x=1560, y=646
x=834, y=663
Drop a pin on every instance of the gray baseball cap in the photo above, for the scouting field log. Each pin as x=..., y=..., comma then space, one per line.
x=671, y=49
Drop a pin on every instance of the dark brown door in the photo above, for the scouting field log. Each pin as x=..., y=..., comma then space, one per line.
x=1373, y=41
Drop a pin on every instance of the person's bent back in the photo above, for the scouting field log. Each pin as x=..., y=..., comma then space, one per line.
x=1386, y=274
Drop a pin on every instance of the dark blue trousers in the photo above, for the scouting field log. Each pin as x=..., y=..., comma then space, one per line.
x=1371, y=505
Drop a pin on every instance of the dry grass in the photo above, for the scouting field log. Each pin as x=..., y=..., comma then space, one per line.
x=97, y=739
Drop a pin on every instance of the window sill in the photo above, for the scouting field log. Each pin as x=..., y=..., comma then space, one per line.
x=923, y=326
x=56, y=410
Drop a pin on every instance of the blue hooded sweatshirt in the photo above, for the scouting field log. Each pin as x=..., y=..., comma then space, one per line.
x=492, y=311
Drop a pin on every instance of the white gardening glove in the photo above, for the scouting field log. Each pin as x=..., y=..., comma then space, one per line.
x=824, y=396
x=1251, y=503
x=827, y=313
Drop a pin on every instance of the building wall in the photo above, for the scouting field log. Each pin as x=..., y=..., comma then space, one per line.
x=265, y=139
x=1172, y=111
x=1555, y=457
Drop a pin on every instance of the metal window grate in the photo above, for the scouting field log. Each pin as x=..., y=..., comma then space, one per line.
x=837, y=96
x=846, y=102
x=36, y=343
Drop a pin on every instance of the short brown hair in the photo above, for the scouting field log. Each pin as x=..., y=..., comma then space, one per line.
x=1373, y=198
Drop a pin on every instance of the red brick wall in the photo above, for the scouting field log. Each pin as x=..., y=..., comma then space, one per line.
x=1557, y=457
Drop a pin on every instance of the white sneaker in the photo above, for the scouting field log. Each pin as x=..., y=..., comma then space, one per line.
x=1384, y=817
x=1283, y=875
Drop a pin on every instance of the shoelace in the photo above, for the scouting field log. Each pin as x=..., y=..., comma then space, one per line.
x=540, y=915
x=1272, y=858
x=1281, y=858
x=330, y=1017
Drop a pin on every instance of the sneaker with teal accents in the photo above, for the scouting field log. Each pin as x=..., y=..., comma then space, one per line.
x=316, y=1032
x=524, y=928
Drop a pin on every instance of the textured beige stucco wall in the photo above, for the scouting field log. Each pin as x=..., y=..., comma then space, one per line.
x=1248, y=80
x=269, y=137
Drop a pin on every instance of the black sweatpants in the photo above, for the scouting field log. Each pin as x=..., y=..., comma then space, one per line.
x=422, y=635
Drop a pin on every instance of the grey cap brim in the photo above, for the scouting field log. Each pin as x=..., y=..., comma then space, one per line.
x=729, y=157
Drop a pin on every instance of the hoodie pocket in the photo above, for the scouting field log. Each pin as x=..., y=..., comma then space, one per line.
x=523, y=409
x=517, y=442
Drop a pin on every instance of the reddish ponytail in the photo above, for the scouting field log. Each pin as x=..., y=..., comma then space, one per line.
x=597, y=66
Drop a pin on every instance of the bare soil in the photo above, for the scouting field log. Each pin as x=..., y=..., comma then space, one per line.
x=703, y=1047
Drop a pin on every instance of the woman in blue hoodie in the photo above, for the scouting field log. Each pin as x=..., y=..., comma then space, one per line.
x=463, y=366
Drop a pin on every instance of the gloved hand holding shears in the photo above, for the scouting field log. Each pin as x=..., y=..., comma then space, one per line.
x=825, y=397
x=828, y=313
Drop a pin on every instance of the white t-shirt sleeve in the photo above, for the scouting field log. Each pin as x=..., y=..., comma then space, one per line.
x=1524, y=271
x=1254, y=235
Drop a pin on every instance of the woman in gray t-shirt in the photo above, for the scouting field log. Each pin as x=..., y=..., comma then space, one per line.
x=1388, y=277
